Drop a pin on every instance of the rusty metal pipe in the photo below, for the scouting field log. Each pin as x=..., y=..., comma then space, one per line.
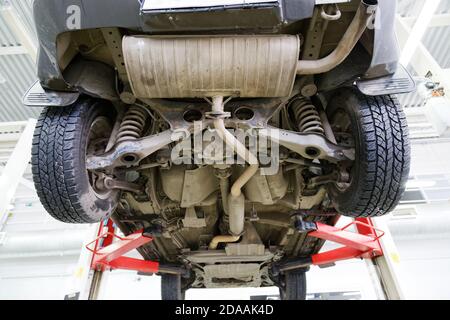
x=237, y=147
x=236, y=200
x=222, y=239
x=363, y=16
x=224, y=185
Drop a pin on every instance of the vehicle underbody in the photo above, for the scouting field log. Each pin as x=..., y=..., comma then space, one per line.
x=220, y=145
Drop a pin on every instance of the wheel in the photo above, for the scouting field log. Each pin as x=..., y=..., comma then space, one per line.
x=171, y=287
x=62, y=139
x=294, y=286
x=377, y=128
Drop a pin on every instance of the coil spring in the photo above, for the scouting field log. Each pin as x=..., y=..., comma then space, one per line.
x=132, y=125
x=306, y=116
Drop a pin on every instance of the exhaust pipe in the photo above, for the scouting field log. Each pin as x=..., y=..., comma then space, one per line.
x=236, y=200
x=222, y=239
x=235, y=145
x=364, y=14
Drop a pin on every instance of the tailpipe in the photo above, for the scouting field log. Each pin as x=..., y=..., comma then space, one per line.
x=222, y=239
x=363, y=16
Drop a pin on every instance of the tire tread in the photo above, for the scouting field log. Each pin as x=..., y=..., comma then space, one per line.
x=54, y=165
x=385, y=157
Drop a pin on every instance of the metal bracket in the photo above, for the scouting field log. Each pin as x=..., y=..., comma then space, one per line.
x=217, y=115
x=113, y=39
x=302, y=225
x=331, y=17
x=191, y=220
x=111, y=183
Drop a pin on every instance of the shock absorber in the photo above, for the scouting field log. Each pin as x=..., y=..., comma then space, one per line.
x=306, y=116
x=132, y=125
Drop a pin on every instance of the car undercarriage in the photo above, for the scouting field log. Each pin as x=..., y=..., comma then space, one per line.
x=221, y=145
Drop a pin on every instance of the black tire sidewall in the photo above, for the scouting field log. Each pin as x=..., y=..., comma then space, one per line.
x=95, y=208
x=382, y=157
x=347, y=101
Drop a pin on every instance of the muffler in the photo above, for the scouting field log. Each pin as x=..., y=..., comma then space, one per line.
x=208, y=66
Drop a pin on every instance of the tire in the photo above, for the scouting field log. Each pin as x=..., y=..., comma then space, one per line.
x=295, y=286
x=58, y=162
x=380, y=171
x=171, y=288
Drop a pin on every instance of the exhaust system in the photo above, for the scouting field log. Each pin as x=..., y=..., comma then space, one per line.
x=236, y=200
x=252, y=66
x=364, y=14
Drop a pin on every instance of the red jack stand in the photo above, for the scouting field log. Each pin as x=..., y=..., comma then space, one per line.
x=364, y=244
x=109, y=255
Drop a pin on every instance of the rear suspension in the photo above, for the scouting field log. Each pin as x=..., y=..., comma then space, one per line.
x=306, y=116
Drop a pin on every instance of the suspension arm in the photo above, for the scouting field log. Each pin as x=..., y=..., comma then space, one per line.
x=130, y=153
x=309, y=145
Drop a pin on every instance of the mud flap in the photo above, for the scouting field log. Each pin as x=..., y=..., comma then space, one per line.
x=37, y=96
x=399, y=82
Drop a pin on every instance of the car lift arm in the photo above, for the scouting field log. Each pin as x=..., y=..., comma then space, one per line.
x=110, y=255
x=364, y=244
